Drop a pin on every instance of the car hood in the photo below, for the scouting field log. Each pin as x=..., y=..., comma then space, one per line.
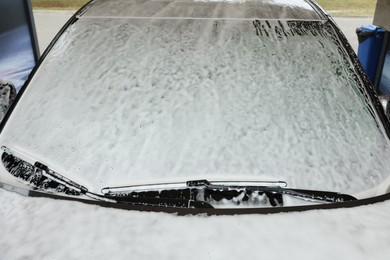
x=72, y=230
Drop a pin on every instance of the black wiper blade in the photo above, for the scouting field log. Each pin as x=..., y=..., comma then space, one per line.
x=195, y=192
x=202, y=193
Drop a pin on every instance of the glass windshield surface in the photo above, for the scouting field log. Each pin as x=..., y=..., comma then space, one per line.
x=126, y=101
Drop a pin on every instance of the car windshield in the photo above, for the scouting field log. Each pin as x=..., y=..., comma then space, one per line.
x=126, y=100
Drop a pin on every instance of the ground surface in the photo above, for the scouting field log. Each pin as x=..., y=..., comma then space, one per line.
x=58, y=4
x=349, y=7
x=335, y=7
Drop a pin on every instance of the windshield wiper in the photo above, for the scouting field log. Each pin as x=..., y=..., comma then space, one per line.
x=218, y=193
x=190, y=194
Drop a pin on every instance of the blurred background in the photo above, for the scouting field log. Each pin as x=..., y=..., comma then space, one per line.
x=51, y=15
x=335, y=7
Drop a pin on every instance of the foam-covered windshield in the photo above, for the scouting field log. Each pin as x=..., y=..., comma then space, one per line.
x=134, y=101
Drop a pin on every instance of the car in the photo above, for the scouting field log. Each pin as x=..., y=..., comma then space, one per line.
x=221, y=111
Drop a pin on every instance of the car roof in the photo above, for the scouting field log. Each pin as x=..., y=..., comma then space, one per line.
x=214, y=9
